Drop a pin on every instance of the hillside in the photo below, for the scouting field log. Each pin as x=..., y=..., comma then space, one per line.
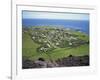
x=52, y=43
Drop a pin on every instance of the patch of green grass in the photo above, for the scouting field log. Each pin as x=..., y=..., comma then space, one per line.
x=76, y=51
x=81, y=35
x=63, y=52
x=28, y=46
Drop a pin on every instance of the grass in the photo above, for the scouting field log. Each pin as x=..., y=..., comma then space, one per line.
x=82, y=36
x=28, y=46
x=77, y=51
x=29, y=49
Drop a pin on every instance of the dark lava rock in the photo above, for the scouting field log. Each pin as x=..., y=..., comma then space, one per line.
x=69, y=61
x=73, y=61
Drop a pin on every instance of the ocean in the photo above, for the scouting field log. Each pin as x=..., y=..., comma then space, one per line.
x=82, y=25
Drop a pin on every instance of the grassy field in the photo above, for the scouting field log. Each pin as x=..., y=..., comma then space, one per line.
x=29, y=48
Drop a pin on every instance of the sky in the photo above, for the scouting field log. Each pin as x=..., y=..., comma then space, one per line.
x=54, y=15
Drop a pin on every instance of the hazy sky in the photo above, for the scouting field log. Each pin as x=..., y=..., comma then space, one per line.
x=51, y=15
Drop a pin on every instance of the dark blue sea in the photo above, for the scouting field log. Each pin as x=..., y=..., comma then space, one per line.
x=82, y=25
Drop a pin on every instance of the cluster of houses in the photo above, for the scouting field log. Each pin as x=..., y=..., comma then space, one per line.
x=51, y=38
